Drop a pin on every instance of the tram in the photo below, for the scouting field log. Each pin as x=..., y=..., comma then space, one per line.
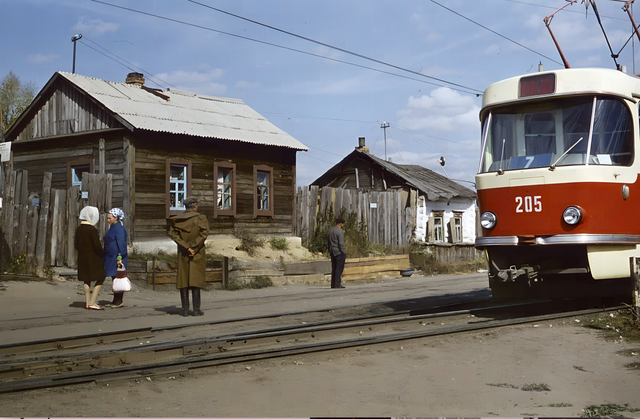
x=558, y=182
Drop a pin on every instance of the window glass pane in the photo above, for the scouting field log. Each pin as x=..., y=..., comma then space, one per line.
x=224, y=188
x=263, y=191
x=557, y=132
x=76, y=174
x=177, y=186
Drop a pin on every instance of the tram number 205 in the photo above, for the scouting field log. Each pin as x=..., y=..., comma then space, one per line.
x=528, y=204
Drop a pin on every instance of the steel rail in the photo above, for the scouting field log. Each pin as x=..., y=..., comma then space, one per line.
x=79, y=341
x=192, y=354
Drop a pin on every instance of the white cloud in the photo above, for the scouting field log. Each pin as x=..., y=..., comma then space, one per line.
x=95, y=26
x=443, y=110
x=42, y=58
x=193, y=81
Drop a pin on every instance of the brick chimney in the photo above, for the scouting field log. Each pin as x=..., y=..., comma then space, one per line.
x=361, y=145
x=137, y=79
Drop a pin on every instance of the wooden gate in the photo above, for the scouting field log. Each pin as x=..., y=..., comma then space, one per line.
x=43, y=225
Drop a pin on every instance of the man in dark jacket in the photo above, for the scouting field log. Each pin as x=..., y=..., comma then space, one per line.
x=338, y=252
x=190, y=230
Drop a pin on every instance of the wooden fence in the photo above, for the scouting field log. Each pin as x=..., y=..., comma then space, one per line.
x=43, y=225
x=389, y=220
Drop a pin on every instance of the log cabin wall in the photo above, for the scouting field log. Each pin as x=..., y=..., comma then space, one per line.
x=151, y=154
x=39, y=157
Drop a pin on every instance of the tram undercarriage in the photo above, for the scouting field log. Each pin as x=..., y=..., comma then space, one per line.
x=552, y=271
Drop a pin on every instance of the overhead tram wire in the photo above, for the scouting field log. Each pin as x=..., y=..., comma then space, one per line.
x=332, y=47
x=147, y=74
x=492, y=31
x=467, y=90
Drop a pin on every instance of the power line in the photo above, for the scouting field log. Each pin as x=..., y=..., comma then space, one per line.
x=146, y=73
x=492, y=31
x=331, y=46
x=473, y=91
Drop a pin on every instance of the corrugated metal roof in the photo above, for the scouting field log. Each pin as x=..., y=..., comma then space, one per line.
x=184, y=113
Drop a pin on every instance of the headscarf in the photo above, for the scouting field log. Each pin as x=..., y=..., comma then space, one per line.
x=90, y=214
x=118, y=213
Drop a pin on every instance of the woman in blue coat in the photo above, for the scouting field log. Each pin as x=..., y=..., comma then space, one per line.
x=115, y=251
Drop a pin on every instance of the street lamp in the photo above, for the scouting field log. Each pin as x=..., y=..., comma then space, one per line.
x=74, y=39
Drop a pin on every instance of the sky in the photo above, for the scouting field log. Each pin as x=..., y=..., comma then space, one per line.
x=326, y=72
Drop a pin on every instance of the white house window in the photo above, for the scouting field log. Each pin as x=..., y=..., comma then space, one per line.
x=438, y=230
x=177, y=186
x=458, y=229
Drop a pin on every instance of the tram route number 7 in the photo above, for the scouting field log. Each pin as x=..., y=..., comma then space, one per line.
x=528, y=204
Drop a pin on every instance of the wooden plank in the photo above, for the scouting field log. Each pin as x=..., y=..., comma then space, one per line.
x=60, y=236
x=313, y=209
x=41, y=244
x=32, y=233
x=8, y=215
x=126, y=192
x=73, y=211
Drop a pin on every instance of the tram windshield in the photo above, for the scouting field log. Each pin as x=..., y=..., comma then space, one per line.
x=558, y=133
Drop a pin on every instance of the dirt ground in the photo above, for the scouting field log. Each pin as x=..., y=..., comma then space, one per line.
x=465, y=375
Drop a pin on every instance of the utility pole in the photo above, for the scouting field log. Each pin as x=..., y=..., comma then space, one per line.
x=74, y=39
x=384, y=126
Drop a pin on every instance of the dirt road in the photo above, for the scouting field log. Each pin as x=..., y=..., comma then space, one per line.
x=472, y=374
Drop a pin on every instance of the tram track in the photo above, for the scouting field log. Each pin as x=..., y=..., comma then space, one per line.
x=180, y=356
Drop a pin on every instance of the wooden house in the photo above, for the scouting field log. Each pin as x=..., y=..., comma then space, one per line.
x=444, y=211
x=160, y=147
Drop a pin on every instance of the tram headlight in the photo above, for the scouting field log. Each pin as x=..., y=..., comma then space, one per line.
x=488, y=220
x=572, y=215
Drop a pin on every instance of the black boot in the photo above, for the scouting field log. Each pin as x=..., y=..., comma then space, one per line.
x=184, y=298
x=195, y=293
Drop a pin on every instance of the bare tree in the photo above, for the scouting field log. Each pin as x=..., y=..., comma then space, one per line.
x=15, y=96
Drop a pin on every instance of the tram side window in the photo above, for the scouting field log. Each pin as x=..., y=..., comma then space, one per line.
x=612, y=141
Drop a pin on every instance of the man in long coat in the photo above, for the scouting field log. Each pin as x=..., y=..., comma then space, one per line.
x=338, y=252
x=190, y=230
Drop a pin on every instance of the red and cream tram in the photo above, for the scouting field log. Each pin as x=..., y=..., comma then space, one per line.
x=558, y=183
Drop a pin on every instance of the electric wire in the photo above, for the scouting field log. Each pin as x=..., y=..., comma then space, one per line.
x=331, y=46
x=147, y=74
x=492, y=31
x=467, y=90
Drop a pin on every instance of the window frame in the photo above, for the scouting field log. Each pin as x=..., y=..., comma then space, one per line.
x=431, y=227
x=181, y=162
x=224, y=212
x=260, y=213
x=82, y=161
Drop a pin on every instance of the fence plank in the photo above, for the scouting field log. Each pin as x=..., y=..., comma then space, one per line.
x=313, y=209
x=43, y=220
x=9, y=214
x=73, y=213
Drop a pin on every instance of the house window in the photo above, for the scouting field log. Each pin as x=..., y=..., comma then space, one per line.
x=224, y=175
x=76, y=174
x=455, y=224
x=178, y=184
x=76, y=168
x=438, y=231
x=436, y=227
x=263, y=187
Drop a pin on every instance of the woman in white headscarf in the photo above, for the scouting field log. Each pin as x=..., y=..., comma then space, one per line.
x=90, y=252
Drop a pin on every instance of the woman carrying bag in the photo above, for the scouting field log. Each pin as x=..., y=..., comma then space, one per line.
x=115, y=251
x=90, y=253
